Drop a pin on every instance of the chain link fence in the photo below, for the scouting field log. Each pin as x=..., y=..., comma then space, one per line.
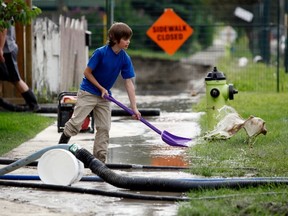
x=251, y=33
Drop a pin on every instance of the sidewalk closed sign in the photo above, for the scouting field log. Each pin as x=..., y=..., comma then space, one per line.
x=169, y=31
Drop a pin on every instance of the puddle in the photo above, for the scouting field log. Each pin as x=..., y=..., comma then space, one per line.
x=133, y=142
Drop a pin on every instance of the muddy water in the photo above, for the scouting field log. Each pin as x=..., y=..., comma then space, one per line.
x=132, y=142
x=137, y=144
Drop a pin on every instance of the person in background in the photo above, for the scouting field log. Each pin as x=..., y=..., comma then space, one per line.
x=102, y=70
x=10, y=71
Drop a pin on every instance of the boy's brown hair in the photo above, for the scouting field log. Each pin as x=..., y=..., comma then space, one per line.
x=117, y=31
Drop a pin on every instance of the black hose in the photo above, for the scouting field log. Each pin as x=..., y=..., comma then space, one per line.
x=23, y=177
x=37, y=178
x=142, y=183
x=9, y=161
x=114, y=112
x=111, y=166
x=13, y=107
x=144, y=112
x=93, y=191
x=139, y=166
x=161, y=184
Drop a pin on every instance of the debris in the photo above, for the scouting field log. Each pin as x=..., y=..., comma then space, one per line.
x=231, y=122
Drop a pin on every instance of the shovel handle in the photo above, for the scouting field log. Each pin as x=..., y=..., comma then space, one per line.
x=110, y=98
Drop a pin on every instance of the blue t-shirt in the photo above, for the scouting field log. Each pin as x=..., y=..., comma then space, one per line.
x=106, y=67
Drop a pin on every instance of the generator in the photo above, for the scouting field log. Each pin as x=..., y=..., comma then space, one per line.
x=66, y=103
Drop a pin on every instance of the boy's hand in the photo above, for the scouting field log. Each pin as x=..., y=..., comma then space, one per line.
x=104, y=92
x=137, y=114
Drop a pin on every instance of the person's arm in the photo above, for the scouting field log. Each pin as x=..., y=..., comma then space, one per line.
x=2, y=42
x=129, y=85
x=88, y=74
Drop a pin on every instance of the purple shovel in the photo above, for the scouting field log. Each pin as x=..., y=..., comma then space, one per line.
x=167, y=137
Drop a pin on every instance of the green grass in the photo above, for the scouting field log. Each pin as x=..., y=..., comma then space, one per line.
x=16, y=128
x=264, y=201
x=253, y=77
x=257, y=86
x=234, y=158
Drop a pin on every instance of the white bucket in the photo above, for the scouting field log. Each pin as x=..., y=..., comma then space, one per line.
x=60, y=167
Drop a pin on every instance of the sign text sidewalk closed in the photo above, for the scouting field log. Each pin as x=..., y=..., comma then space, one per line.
x=169, y=31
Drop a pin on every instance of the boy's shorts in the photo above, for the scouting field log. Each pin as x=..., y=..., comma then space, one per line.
x=9, y=70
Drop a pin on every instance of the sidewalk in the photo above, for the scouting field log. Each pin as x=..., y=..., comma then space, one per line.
x=48, y=137
x=131, y=143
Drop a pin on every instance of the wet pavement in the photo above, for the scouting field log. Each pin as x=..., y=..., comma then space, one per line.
x=131, y=142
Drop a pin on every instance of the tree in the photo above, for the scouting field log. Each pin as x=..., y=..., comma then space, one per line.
x=16, y=11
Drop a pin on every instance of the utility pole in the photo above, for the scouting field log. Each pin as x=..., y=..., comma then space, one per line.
x=265, y=32
x=109, y=12
x=286, y=35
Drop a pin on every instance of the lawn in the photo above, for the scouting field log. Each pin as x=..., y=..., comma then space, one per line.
x=16, y=128
x=234, y=158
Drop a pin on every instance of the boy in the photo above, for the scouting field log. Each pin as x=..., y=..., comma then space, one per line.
x=102, y=70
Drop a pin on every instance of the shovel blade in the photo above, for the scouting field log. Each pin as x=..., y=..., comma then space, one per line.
x=173, y=140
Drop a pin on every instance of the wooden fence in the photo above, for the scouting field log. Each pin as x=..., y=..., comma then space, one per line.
x=74, y=52
x=60, y=55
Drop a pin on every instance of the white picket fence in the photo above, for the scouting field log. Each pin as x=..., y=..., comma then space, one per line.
x=60, y=55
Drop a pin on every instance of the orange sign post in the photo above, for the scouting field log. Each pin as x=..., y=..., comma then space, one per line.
x=169, y=31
